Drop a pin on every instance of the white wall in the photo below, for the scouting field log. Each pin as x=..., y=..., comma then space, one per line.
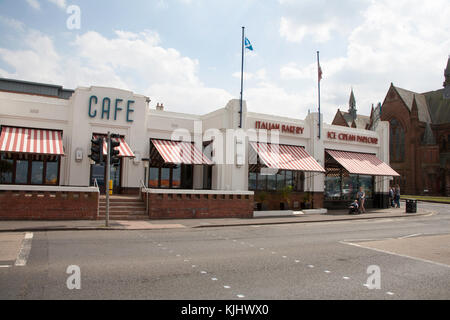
x=72, y=116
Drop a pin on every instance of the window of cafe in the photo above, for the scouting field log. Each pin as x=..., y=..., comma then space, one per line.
x=346, y=172
x=345, y=187
x=174, y=177
x=276, y=182
x=29, y=169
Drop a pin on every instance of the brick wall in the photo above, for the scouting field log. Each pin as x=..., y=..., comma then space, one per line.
x=181, y=206
x=297, y=200
x=48, y=205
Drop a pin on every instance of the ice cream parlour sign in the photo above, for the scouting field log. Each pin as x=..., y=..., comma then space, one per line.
x=351, y=137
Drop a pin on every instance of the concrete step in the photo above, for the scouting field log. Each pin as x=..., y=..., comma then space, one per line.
x=128, y=206
x=123, y=212
x=124, y=217
x=122, y=201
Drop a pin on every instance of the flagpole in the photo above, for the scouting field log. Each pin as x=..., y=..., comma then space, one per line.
x=318, y=85
x=242, y=79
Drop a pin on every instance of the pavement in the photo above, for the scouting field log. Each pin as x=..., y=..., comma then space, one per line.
x=332, y=215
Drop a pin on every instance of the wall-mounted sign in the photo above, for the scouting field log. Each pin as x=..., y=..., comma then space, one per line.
x=105, y=112
x=351, y=137
x=281, y=127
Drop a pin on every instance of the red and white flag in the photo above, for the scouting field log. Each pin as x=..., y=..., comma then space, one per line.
x=319, y=71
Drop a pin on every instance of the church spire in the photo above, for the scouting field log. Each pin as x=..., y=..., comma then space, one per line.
x=352, y=105
x=447, y=74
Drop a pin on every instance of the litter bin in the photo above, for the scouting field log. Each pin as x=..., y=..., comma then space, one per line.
x=411, y=205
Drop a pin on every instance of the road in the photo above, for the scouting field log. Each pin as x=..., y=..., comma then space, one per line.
x=327, y=260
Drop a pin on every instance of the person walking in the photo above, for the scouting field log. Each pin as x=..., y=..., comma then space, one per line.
x=361, y=199
x=391, y=196
x=397, y=196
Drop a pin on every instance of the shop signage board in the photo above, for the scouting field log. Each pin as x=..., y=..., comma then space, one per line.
x=351, y=137
x=107, y=110
x=283, y=128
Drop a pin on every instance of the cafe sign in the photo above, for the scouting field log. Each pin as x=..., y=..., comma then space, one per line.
x=110, y=108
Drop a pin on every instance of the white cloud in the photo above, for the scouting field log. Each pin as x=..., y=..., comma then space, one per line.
x=268, y=97
x=60, y=3
x=259, y=75
x=38, y=62
x=133, y=61
x=34, y=4
x=404, y=42
x=12, y=23
x=320, y=32
x=319, y=19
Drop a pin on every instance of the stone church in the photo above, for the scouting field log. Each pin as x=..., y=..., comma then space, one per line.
x=419, y=135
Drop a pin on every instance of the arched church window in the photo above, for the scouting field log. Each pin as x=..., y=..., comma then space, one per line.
x=396, y=141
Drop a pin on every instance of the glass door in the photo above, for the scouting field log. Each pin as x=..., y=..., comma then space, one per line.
x=98, y=171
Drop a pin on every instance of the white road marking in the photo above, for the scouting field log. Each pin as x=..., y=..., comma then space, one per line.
x=397, y=254
x=310, y=266
x=5, y=266
x=327, y=271
x=25, y=249
x=240, y=296
x=284, y=257
x=297, y=261
x=410, y=236
x=345, y=278
x=203, y=272
x=356, y=240
x=214, y=279
x=227, y=287
x=390, y=293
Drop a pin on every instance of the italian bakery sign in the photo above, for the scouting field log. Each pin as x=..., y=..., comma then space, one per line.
x=351, y=137
x=284, y=128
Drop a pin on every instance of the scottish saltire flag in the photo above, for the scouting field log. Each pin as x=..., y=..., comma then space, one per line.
x=248, y=45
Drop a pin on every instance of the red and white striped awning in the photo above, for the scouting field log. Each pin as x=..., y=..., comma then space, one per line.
x=286, y=157
x=124, y=148
x=180, y=152
x=27, y=140
x=362, y=163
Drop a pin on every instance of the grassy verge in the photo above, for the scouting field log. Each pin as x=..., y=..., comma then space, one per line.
x=427, y=198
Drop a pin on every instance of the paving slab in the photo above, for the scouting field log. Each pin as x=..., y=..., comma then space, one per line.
x=336, y=215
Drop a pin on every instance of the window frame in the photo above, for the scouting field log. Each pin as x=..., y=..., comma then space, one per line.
x=29, y=158
x=295, y=173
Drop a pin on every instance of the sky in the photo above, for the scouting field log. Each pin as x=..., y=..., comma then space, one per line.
x=187, y=53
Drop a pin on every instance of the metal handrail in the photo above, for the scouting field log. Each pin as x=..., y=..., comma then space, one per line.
x=98, y=190
x=146, y=194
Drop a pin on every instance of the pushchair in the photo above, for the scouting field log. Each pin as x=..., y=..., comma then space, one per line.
x=353, y=208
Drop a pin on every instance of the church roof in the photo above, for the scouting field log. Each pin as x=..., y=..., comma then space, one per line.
x=360, y=121
x=438, y=106
x=422, y=108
